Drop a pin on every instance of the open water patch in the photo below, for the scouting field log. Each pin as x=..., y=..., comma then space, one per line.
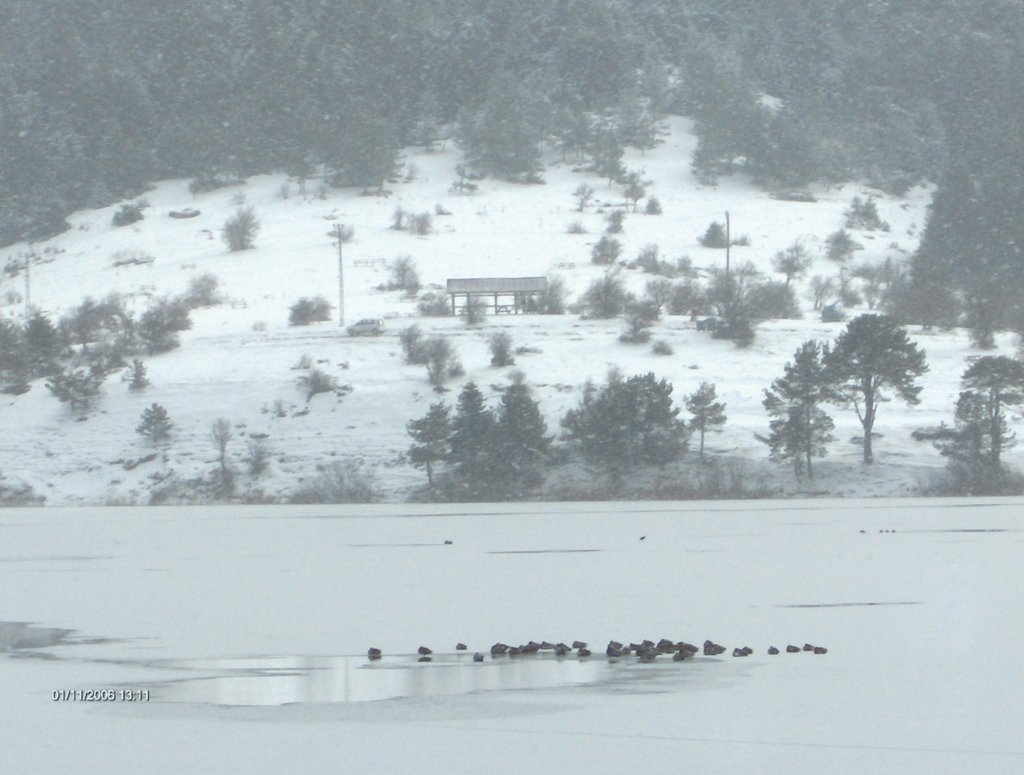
x=262, y=681
x=279, y=681
x=15, y=636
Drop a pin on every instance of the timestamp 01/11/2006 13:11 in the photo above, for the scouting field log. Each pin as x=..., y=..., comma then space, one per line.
x=100, y=695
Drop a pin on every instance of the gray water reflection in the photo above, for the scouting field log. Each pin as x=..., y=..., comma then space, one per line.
x=286, y=680
x=25, y=635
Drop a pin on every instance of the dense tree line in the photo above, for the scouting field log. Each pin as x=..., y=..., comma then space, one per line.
x=99, y=97
x=487, y=453
x=631, y=423
x=90, y=342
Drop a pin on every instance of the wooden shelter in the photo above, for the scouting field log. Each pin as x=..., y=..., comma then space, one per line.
x=510, y=295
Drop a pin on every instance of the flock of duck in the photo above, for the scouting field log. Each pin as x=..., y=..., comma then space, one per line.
x=646, y=651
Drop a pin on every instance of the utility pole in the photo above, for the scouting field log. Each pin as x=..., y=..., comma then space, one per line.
x=341, y=234
x=728, y=245
x=728, y=281
x=28, y=279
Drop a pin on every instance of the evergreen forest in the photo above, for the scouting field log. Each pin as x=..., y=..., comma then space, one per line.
x=98, y=98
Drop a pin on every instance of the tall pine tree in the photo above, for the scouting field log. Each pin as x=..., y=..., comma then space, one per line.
x=998, y=382
x=431, y=435
x=799, y=429
x=708, y=414
x=522, y=438
x=871, y=357
x=473, y=454
x=626, y=423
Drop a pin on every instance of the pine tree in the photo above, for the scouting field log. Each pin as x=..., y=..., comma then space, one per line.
x=799, y=429
x=968, y=446
x=871, y=356
x=627, y=423
x=840, y=245
x=522, y=438
x=606, y=152
x=634, y=187
x=473, y=450
x=155, y=425
x=14, y=366
x=997, y=381
x=708, y=414
x=77, y=388
x=159, y=325
x=503, y=135
x=431, y=435
x=42, y=344
x=136, y=375
x=365, y=153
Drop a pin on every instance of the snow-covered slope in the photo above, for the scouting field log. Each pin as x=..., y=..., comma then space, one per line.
x=237, y=361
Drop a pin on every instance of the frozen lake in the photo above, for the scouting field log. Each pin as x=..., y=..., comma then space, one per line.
x=229, y=639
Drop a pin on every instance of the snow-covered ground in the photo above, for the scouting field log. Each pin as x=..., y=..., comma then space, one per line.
x=237, y=361
x=248, y=626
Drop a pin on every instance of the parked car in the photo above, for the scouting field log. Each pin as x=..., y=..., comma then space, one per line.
x=366, y=327
x=708, y=324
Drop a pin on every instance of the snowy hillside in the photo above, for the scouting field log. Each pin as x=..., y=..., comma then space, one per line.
x=238, y=360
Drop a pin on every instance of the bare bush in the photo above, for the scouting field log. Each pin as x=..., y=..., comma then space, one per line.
x=820, y=290
x=475, y=311
x=240, y=230
x=583, y=194
x=411, y=339
x=221, y=434
x=500, y=345
x=606, y=250
x=615, y=220
x=130, y=213
x=434, y=305
x=309, y=310
x=259, y=456
x=316, y=381
x=346, y=481
x=659, y=292
x=440, y=360
x=202, y=291
x=606, y=297
x=404, y=276
x=553, y=300
x=421, y=223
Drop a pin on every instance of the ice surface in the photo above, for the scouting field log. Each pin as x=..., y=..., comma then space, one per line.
x=917, y=602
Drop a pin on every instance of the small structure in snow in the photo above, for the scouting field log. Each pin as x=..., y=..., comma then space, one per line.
x=510, y=295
